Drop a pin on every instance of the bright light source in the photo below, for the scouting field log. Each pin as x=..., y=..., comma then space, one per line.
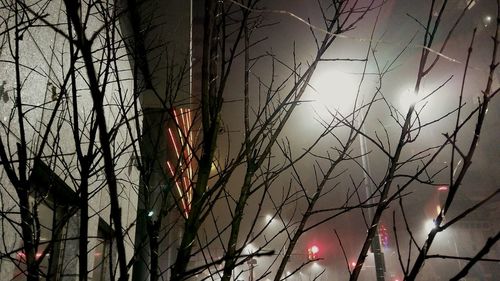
x=151, y=213
x=430, y=225
x=353, y=264
x=443, y=187
x=22, y=255
x=487, y=20
x=249, y=249
x=333, y=90
x=407, y=99
x=314, y=249
x=269, y=218
x=312, y=252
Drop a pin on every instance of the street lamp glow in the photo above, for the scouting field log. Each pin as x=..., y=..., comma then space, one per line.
x=249, y=249
x=269, y=218
x=406, y=100
x=487, y=20
x=312, y=253
x=316, y=266
x=314, y=249
x=333, y=90
x=430, y=225
x=443, y=187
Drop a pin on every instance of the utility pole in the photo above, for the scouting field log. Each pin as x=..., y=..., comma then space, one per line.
x=251, y=263
x=376, y=248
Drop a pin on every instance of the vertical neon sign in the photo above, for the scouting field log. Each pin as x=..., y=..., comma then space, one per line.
x=181, y=139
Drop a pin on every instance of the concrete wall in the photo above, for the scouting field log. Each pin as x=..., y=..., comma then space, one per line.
x=44, y=57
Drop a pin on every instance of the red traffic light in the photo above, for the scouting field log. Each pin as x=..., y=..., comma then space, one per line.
x=314, y=249
x=312, y=252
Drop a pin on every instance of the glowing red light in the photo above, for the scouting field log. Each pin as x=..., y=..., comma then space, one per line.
x=312, y=253
x=314, y=249
x=181, y=139
x=22, y=255
x=443, y=188
x=383, y=235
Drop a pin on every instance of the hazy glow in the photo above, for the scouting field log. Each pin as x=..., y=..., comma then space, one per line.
x=443, y=188
x=406, y=99
x=333, y=90
x=316, y=265
x=487, y=21
x=429, y=225
x=249, y=249
x=22, y=255
x=269, y=219
x=314, y=249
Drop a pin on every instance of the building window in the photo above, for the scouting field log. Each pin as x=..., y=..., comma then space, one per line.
x=52, y=203
x=103, y=253
x=48, y=216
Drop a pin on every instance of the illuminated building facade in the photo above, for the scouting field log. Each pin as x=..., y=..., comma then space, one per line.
x=169, y=57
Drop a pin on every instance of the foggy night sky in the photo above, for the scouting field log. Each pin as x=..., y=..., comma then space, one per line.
x=394, y=31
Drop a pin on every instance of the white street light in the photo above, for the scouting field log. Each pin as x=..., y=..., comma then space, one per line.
x=333, y=90
x=269, y=219
x=249, y=249
x=430, y=225
x=407, y=99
